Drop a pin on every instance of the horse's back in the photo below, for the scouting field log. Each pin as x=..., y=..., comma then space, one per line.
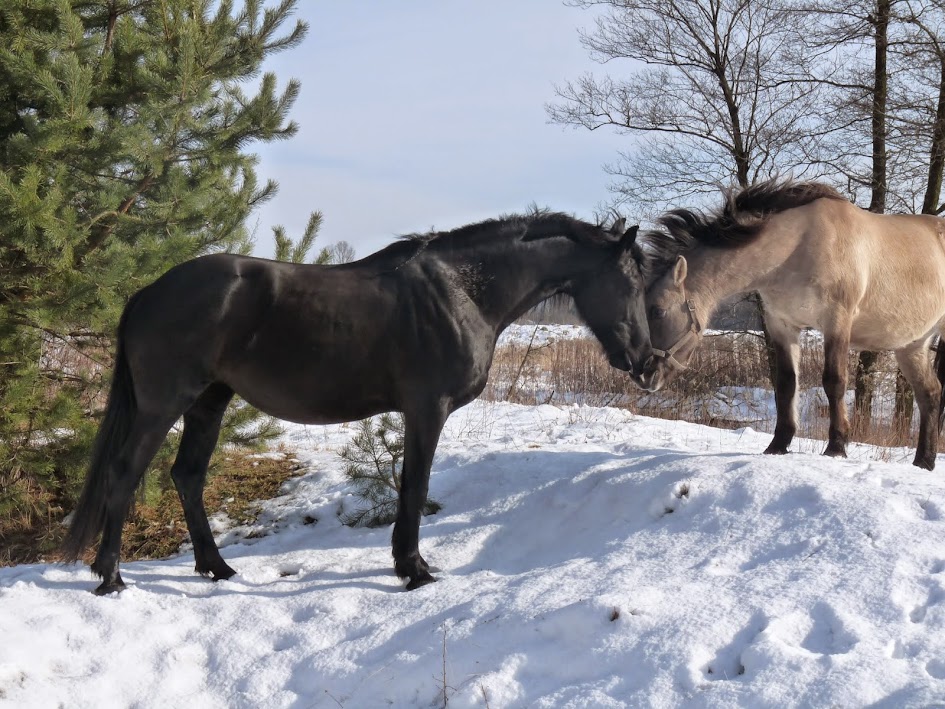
x=878, y=268
x=905, y=296
x=306, y=343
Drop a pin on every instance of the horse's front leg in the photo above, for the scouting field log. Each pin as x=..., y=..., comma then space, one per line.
x=916, y=368
x=836, y=353
x=421, y=434
x=787, y=354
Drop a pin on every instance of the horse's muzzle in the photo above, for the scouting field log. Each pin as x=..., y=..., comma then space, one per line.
x=620, y=360
x=650, y=377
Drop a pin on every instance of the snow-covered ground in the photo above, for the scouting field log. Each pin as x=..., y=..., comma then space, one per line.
x=586, y=557
x=538, y=335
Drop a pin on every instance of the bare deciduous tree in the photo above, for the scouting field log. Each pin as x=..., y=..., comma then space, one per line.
x=339, y=252
x=710, y=95
x=920, y=103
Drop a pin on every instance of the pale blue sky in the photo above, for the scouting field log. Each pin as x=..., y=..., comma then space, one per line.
x=428, y=114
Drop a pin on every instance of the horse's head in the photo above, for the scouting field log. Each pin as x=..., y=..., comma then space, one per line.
x=611, y=301
x=674, y=325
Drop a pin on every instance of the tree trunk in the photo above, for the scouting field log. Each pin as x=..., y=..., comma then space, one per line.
x=863, y=390
x=864, y=381
x=933, y=188
x=905, y=403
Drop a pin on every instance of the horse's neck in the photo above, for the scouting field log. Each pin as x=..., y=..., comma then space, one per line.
x=505, y=285
x=714, y=274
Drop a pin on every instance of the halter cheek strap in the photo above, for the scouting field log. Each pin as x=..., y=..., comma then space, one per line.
x=694, y=329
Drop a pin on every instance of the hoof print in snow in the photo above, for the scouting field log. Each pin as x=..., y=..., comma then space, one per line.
x=668, y=505
x=931, y=511
x=936, y=669
x=713, y=674
x=727, y=664
x=290, y=570
x=827, y=635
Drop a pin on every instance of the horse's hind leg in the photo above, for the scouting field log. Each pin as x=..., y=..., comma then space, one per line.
x=201, y=430
x=144, y=438
x=836, y=353
x=917, y=369
x=787, y=354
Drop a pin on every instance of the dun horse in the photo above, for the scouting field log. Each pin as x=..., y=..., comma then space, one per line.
x=411, y=328
x=865, y=280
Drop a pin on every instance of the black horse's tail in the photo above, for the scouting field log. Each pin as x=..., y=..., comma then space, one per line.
x=88, y=520
x=940, y=371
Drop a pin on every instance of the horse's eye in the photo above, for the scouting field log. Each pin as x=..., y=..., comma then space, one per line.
x=657, y=313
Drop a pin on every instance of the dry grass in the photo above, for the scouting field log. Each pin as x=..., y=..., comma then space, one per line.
x=575, y=371
x=157, y=528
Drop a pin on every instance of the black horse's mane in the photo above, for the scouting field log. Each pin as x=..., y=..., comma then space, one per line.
x=538, y=224
x=735, y=224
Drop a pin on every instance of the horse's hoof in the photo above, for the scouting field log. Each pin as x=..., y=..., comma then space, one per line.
x=223, y=573
x=926, y=463
x=776, y=450
x=112, y=587
x=412, y=567
x=835, y=452
x=422, y=580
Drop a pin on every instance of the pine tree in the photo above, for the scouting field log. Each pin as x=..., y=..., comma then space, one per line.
x=374, y=465
x=124, y=128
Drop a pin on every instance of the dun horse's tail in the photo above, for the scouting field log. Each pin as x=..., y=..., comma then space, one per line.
x=88, y=520
x=743, y=213
x=940, y=371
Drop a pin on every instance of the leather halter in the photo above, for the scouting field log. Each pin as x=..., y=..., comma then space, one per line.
x=694, y=329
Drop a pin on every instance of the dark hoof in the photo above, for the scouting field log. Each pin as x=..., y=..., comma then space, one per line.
x=112, y=587
x=926, y=463
x=218, y=570
x=836, y=452
x=223, y=573
x=412, y=567
x=776, y=450
x=423, y=580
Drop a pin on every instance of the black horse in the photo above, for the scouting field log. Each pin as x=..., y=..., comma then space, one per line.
x=411, y=328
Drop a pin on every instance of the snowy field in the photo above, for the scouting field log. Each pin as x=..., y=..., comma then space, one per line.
x=522, y=334
x=586, y=558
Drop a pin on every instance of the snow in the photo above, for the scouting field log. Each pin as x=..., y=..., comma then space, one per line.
x=539, y=335
x=585, y=557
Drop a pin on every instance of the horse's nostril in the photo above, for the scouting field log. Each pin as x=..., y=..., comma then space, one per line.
x=650, y=365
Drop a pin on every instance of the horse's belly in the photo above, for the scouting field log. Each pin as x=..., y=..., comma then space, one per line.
x=311, y=392
x=312, y=405
x=878, y=336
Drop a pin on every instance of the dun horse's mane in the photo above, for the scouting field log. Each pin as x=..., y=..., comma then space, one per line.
x=736, y=223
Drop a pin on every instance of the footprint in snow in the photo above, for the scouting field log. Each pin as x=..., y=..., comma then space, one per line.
x=828, y=634
x=932, y=511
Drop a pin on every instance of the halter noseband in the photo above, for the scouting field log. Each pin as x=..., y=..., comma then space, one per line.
x=694, y=329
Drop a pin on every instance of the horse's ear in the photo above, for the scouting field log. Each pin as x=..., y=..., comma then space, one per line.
x=679, y=270
x=629, y=236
